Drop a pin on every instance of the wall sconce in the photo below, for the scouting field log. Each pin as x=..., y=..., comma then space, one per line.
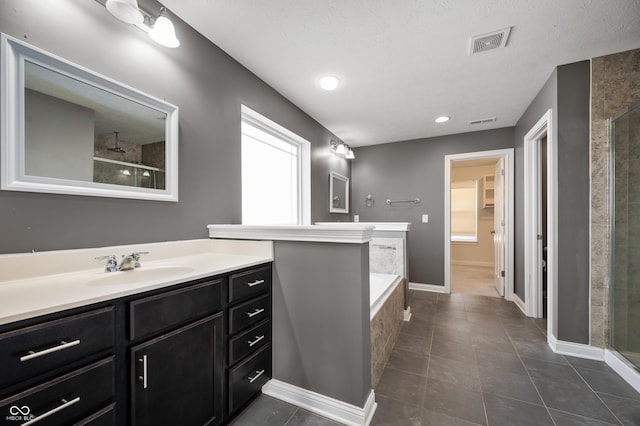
x=343, y=149
x=160, y=29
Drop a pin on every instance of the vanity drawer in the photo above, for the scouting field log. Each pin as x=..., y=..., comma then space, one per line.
x=248, y=313
x=29, y=351
x=249, y=283
x=245, y=343
x=163, y=311
x=104, y=417
x=248, y=377
x=66, y=399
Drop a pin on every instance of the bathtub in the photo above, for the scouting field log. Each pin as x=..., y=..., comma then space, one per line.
x=386, y=293
x=380, y=288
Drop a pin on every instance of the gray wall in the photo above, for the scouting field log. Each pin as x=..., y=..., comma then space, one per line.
x=544, y=100
x=321, y=329
x=59, y=138
x=410, y=169
x=567, y=91
x=207, y=85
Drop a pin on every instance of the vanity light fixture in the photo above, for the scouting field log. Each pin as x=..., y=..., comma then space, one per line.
x=160, y=29
x=443, y=119
x=125, y=172
x=329, y=82
x=343, y=149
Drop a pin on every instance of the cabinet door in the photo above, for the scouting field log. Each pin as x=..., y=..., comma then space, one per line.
x=177, y=378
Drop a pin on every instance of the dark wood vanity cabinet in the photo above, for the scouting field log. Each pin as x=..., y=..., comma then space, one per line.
x=177, y=378
x=249, y=335
x=189, y=354
x=58, y=371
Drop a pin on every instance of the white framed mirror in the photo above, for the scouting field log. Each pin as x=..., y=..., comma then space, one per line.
x=338, y=193
x=69, y=130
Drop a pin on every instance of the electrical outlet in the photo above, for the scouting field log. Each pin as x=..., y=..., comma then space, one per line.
x=356, y=218
x=425, y=218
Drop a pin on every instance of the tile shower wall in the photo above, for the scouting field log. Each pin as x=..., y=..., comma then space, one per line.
x=615, y=85
x=386, y=256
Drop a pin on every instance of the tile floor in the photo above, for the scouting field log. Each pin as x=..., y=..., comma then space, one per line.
x=476, y=360
x=476, y=280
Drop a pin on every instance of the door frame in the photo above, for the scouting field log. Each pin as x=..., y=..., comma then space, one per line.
x=508, y=155
x=532, y=204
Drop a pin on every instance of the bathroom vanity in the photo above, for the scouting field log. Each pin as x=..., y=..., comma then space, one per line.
x=191, y=349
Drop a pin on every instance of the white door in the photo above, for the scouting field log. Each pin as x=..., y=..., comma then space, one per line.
x=498, y=227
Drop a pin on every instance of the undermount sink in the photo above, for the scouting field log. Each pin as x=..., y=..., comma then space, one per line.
x=141, y=274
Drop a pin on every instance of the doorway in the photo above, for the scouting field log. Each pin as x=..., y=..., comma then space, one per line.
x=540, y=242
x=497, y=175
x=476, y=206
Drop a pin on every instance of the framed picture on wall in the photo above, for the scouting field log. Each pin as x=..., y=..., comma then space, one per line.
x=338, y=193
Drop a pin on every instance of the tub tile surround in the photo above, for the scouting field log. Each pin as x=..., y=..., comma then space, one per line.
x=33, y=284
x=385, y=329
x=614, y=87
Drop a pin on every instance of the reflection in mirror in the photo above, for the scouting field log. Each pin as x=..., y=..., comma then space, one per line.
x=338, y=193
x=83, y=133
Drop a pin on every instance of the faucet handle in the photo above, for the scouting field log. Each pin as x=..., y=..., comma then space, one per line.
x=136, y=254
x=110, y=257
x=112, y=264
x=136, y=257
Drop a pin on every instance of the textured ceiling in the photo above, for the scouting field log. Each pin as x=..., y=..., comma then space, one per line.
x=404, y=62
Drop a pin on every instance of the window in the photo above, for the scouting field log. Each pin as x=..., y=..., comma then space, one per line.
x=464, y=211
x=276, y=176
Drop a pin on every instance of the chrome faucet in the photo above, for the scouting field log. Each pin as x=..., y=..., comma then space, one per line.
x=112, y=264
x=129, y=262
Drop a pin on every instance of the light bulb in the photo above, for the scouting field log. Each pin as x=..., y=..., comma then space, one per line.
x=329, y=82
x=125, y=10
x=163, y=31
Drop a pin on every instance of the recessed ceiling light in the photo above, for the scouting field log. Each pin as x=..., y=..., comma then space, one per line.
x=329, y=82
x=443, y=119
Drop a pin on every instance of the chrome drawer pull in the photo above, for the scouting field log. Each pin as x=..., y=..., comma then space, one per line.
x=256, y=282
x=143, y=378
x=254, y=313
x=64, y=405
x=253, y=379
x=258, y=338
x=61, y=346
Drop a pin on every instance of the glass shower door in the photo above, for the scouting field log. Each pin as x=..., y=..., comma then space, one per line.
x=625, y=289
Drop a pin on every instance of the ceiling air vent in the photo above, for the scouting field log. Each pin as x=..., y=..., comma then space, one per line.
x=483, y=120
x=490, y=41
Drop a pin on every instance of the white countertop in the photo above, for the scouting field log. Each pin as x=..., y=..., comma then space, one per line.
x=33, y=284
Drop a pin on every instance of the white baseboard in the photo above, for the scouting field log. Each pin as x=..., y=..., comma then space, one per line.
x=472, y=263
x=520, y=304
x=578, y=350
x=623, y=368
x=427, y=287
x=331, y=408
x=407, y=314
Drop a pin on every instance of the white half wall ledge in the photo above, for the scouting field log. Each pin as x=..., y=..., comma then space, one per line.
x=378, y=226
x=356, y=234
x=325, y=406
